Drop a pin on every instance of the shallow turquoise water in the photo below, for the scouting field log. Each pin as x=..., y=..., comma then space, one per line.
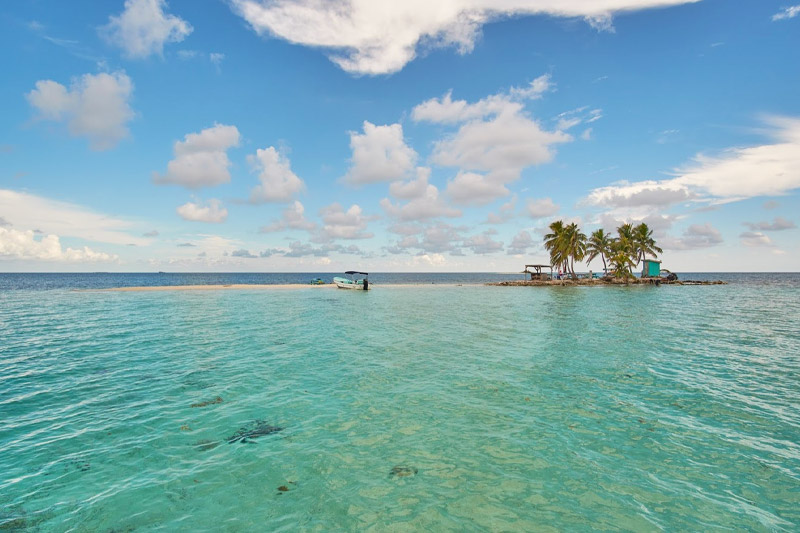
x=674, y=408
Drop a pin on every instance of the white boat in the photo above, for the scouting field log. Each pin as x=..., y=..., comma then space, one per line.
x=352, y=281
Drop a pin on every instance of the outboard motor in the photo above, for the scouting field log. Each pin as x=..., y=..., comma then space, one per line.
x=366, y=284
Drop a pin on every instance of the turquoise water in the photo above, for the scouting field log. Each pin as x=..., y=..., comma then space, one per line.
x=505, y=409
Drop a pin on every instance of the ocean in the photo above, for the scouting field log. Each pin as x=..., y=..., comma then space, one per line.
x=430, y=403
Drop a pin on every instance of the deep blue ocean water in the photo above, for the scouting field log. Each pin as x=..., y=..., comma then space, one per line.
x=425, y=406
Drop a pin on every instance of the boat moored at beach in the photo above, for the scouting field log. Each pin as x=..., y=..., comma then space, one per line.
x=353, y=281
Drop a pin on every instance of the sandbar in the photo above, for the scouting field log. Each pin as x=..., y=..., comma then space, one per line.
x=235, y=286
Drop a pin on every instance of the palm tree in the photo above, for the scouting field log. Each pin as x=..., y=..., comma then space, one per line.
x=621, y=259
x=644, y=243
x=599, y=244
x=554, y=242
x=575, y=246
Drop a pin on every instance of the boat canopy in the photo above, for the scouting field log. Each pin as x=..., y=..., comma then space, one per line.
x=351, y=272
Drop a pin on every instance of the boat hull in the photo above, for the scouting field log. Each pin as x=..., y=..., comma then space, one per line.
x=344, y=283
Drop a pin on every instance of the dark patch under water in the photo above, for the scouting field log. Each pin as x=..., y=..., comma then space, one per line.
x=253, y=430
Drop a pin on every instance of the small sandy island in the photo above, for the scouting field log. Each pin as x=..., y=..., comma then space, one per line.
x=603, y=282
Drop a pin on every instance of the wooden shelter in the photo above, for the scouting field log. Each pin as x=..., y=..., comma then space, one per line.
x=537, y=274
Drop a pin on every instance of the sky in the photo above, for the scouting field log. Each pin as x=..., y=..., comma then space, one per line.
x=311, y=136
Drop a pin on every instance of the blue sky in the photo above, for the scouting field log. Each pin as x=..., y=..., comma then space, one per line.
x=250, y=135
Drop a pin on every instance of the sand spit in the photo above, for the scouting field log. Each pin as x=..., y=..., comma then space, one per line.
x=237, y=286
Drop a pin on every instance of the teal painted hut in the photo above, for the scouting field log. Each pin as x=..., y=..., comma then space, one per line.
x=651, y=268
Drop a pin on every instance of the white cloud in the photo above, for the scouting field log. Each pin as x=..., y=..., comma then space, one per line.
x=367, y=37
x=216, y=59
x=143, y=28
x=425, y=207
x=787, y=13
x=416, y=188
x=29, y=211
x=241, y=252
x=379, y=154
x=736, y=174
x=764, y=170
x=428, y=260
x=95, y=106
x=483, y=243
x=496, y=137
x=541, y=207
x=642, y=193
x=504, y=213
x=25, y=245
x=469, y=188
x=520, y=244
x=197, y=212
x=779, y=224
x=754, y=238
x=494, y=142
x=292, y=218
x=341, y=224
x=445, y=110
x=696, y=236
x=201, y=159
x=278, y=182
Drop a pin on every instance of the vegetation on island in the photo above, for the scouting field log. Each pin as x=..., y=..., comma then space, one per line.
x=632, y=245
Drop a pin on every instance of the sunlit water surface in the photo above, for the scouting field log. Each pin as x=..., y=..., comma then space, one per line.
x=404, y=408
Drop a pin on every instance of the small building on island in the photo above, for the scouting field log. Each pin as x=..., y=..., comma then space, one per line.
x=537, y=274
x=651, y=268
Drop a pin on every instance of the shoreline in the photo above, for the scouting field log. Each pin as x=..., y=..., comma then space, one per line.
x=508, y=283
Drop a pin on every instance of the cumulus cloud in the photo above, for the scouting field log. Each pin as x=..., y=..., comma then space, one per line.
x=366, y=37
x=778, y=224
x=153, y=233
x=243, y=253
x=27, y=245
x=494, y=142
x=787, y=13
x=197, y=212
x=436, y=238
x=341, y=224
x=298, y=249
x=424, y=207
x=143, y=28
x=415, y=188
x=292, y=218
x=470, y=188
x=754, y=238
x=201, y=159
x=96, y=106
x=278, y=182
x=483, y=243
x=694, y=237
x=379, y=154
x=504, y=213
x=541, y=207
x=445, y=110
x=520, y=244
x=502, y=145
